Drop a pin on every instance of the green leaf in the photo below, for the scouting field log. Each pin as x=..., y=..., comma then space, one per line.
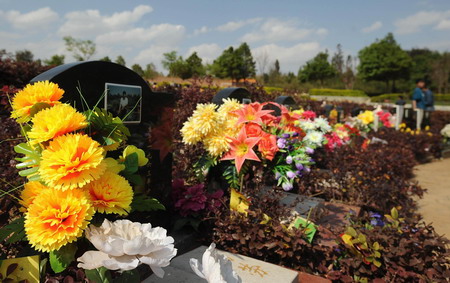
x=376, y=246
x=99, y=275
x=128, y=277
x=38, y=107
x=14, y=230
x=145, y=203
x=31, y=159
x=133, y=178
x=352, y=232
x=61, y=259
x=131, y=164
x=105, y=128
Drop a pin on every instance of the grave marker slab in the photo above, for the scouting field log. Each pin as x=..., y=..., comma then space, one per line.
x=240, y=94
x=120, y=91
x=249, y=269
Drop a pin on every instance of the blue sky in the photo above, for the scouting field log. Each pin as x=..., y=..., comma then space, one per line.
x=291, y=31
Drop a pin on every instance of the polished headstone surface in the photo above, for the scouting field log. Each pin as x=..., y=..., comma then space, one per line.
x=249, y=269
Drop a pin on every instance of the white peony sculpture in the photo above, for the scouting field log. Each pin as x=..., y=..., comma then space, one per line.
x=215, y=268
x=446, y=131
x=123, y=245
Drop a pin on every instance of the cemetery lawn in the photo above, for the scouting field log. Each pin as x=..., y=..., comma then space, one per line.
x=435, y=205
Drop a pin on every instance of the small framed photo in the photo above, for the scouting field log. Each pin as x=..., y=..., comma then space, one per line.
x=246, y=101
x=124, y=101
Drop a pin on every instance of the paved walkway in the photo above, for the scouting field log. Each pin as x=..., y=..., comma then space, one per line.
x=435, y=205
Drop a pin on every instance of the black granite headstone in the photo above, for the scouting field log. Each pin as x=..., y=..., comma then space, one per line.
x=105, y=84
x=240, y=94
x=328, y=108
x=287, y=101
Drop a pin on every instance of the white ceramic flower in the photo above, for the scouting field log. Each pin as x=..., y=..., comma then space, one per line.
x=307, y=125
x=215, y=268
x=123, y=245
x=322, y=124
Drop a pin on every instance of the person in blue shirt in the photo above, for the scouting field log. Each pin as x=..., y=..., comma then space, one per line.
x=429, y=99
x=418, y=97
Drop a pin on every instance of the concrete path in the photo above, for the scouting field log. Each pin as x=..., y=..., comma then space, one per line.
x=435, y=206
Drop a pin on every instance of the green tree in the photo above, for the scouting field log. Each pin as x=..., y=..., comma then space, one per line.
x=422, y=63
x=120, y=60
x=105, y=59
x=441, y=73
x=150, y=71
x=138, y=69
x=81, y=50
x=384, y=60
x=195, y=65
x=317, y=69
x=247, y=66
x=55, y=60
x=235, y=63
x=24, y=56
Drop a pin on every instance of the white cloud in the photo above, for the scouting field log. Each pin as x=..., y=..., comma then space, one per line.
x=322, y=31
x=153, y=54
x=202, y=30
x=274, y=30
x=443, y=24
x=235, y=25
x=91, y=22
x=207, y=51
x=165, y=34
x=35, y=19
x=373, y=27
x=290, y=58
x=414, y=23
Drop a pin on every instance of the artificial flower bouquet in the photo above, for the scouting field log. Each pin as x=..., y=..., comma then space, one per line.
x=79, y=177
x=241, y=133
x=365, y=121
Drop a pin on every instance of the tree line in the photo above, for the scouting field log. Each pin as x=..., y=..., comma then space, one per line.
x=383, y=65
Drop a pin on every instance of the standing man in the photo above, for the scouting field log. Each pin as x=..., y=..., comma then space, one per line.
x=429, y=99
x=418, y=98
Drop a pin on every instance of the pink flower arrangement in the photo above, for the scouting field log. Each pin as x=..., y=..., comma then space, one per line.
x=308, y=115
x=385, y=118
x=334, y=141
x=189, y=200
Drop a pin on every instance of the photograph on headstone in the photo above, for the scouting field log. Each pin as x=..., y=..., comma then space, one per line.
x=124, y=101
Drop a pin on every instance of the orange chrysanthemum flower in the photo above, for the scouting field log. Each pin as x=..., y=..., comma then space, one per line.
x=29, y=193
x=71, y=161
x=56, y=218
x=55, y=121
x=39, y=92
x=110, y=194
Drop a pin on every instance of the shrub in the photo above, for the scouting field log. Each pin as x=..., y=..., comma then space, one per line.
x=337, y=92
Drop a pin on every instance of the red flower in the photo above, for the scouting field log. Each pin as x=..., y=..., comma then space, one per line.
x=268, y=146
x=253, y=130
x=308, y=115
x=241, y=148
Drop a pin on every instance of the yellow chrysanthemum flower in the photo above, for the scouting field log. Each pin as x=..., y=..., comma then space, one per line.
x=366, y=117
x=205, y=118
x=39, y=92
x=189, y=132
x=55, y=121
x=113, y=165
x=232, y=129
x=29, y=193
x=216, y=144
x=71, y=161
x=111, y=193
x=56, y=218
x=142, y=160
x=229, y=105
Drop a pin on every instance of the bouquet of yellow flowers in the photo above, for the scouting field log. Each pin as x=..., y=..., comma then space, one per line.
x=70, y=176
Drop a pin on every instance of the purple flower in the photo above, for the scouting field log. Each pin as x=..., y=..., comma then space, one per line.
x=309, y=150
x=286, y=136
x=374, y=215
x=289, y=159
x=287, y=186
x=299, y=173
x=299, y=166
x=281, y=143
x=291, y=148
x=295, y=134
x=291, y=174
x=277, y=175
x=307, y=169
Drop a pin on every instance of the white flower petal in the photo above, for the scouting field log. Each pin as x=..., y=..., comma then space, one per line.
x=122, y=263
x=195, y=265
x=92, y=259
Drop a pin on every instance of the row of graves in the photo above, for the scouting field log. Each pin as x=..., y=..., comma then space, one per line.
x=147, y=117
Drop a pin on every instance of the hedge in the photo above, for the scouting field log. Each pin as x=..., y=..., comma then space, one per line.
x=271, y=89
x=337, y=92
x=394, y=97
